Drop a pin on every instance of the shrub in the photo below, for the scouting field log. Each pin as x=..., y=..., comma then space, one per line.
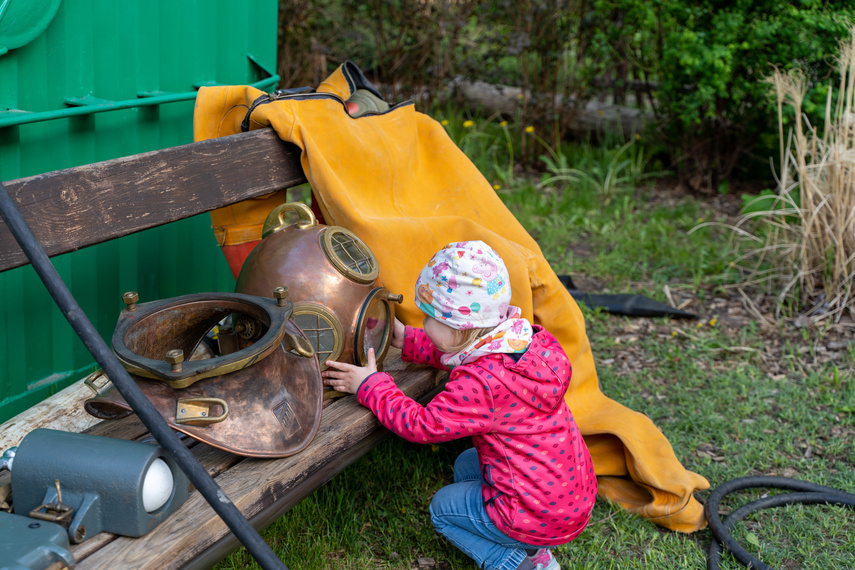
x=701, y=63
x=539, y=46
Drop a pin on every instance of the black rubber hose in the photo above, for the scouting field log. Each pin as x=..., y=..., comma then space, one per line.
x=146, y=412
x=766, y=503
x=809, y=493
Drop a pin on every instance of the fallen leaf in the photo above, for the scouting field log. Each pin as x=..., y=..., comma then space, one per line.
x=752, y=540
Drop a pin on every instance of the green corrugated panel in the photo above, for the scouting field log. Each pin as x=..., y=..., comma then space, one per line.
x=113, y=50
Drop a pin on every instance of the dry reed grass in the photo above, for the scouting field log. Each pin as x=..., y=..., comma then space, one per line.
x=804, y=244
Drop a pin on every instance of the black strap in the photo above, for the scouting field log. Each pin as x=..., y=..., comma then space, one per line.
x=244, y=125
x=624, y=304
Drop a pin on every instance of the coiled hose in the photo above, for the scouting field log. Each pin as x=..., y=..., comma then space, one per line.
x=807, y=493
x=146, y=412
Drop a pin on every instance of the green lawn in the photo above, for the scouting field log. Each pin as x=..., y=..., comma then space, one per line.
x=735, y=395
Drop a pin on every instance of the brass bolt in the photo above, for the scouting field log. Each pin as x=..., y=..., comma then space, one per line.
x=396, y=298
x=130, y=299
x=281, y=295
x=175, y=357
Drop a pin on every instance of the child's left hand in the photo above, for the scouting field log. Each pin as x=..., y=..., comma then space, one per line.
x=348, y=377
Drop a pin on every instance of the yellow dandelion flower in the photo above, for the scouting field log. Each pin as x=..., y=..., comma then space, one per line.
x=529, y=129
x=444, y=122
x=434, y=448
x=673, y=333
x=496, y=186
x=467, y=124
x=713, y=321
x=637, y=137
x=503, y=124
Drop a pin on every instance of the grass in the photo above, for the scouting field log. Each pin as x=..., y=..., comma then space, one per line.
x=735, y=396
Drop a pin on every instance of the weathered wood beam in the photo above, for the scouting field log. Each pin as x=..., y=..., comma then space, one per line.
x=77, y=207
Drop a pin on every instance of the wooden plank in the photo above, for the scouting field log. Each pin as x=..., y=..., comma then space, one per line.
x=261, y=489
x=301, y=489
x=82, y=206
x=62, y=411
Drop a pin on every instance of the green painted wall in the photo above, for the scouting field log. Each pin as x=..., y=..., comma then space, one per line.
x=109, y=50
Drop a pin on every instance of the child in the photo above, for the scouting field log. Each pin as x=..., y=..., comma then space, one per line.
x=528, y=484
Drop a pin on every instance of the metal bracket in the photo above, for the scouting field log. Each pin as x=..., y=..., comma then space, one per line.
x=53, y=511
x=89, y=382
x=258, y=64
x=197, y=411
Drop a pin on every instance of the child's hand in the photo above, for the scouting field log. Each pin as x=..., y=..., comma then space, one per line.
x=398, y=334
x=347, y=377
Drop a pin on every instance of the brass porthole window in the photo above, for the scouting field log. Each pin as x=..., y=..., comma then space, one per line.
x=349, y=255
x=321, y=328
x=374, y=326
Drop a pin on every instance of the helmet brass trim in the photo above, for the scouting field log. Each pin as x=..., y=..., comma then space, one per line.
x=193, y=371
x=197, y=411
x=359, y=349
x=275, y=220
x=321, y=312
x=334, y=243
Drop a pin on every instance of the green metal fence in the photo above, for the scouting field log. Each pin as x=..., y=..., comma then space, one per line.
x=83, y=81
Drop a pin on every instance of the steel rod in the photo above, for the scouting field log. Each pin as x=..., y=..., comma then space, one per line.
x=11, y=119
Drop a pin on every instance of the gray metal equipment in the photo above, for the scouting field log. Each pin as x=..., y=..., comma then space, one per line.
x=26, y=544
x=91, y=484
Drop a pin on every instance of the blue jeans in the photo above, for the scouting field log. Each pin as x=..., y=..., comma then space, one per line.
x=457, y=511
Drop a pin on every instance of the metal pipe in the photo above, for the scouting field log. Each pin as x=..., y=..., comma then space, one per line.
x=23, y=117
x=146, y=412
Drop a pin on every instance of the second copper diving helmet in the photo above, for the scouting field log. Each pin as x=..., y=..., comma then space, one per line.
x=253, y=389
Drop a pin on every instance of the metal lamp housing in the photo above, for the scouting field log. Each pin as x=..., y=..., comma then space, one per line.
x=91, y=483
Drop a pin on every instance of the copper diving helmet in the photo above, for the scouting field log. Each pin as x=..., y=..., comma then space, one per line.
x=332, y=277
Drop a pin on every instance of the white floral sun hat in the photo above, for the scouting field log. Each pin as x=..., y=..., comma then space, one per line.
x=465, y=285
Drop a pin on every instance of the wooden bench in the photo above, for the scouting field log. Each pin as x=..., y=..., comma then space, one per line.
x=78, y=207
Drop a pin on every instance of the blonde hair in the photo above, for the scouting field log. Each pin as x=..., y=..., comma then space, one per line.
x=463, y=337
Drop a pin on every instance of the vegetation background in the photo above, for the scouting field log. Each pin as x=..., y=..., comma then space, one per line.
x=695, y=67
x=723, y=169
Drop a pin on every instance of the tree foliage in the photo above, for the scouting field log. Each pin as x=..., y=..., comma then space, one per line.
x=697, y=65
x=709, y=60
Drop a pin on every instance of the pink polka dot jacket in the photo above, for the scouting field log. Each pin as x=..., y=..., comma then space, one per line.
x=539, y=479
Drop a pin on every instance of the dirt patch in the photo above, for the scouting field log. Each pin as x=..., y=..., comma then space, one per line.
x=731, y=313
x=668, y=192
x=730, y=310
